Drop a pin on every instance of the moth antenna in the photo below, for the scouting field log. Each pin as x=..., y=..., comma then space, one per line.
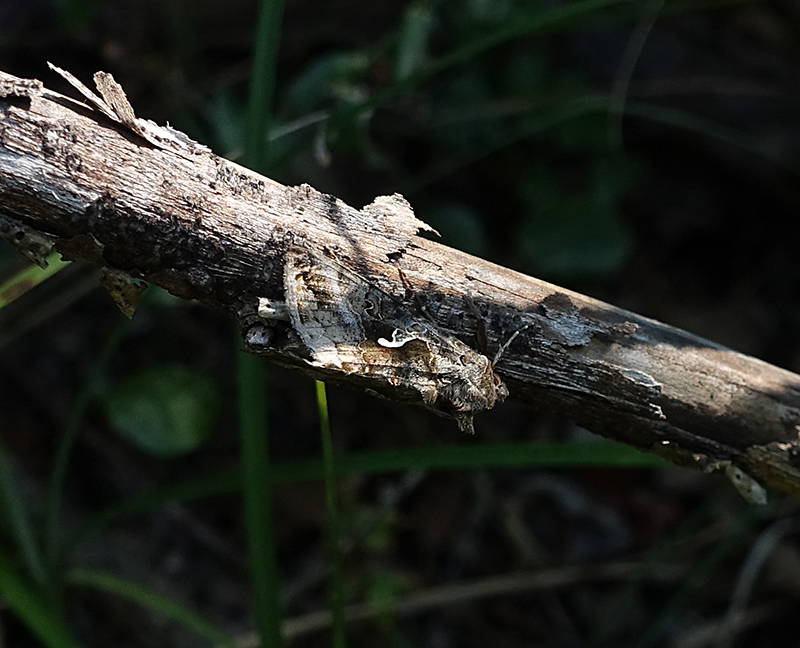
x=507, y=344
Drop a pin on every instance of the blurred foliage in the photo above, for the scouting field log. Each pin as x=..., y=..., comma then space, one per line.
x=474, y=109
x=29, y=277
x=416, y=107
x=165, y=409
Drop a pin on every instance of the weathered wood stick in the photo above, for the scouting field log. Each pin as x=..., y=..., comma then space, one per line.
x=357, y=296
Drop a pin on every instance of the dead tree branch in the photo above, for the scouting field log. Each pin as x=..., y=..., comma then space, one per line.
x=357, y=296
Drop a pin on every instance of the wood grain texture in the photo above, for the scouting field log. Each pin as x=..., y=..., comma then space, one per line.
x=79, y=181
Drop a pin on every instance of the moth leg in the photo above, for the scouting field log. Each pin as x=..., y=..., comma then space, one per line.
x=407, y=285
x=507, y=343
x=465, y=423
x=481, y=338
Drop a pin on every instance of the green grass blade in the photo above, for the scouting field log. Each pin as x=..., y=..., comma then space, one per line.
x=622, y=79
x=571, y=15
x=52, y=527
x=630, y=11
x=577, y=107
x=334, y=523
x=257, y=473
x=667, y=551
x=262, y=84
x=30, y=277
x=148, y=598
x=567, y=15
x=540, y=123
x=712, y=130
x=562, y=15
x=681, y=7
x=257, y=469
x=490, y=455
x=412, y=40
x=30, y=607
x=16, y=518
x=702, y=572
x=153, y=500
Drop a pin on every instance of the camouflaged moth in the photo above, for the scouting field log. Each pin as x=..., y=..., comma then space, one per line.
x=348, y=324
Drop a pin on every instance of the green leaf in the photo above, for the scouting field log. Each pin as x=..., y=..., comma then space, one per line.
x=229, y=120
x=329, y=77
x=571, y=234
x=166, y=410
x=30, y=277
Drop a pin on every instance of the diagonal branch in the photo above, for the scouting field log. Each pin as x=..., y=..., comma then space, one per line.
x=416, y=320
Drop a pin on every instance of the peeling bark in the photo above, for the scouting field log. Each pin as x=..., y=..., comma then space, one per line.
x=145, y=202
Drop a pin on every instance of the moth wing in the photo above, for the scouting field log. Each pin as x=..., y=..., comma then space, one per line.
x=325, y=305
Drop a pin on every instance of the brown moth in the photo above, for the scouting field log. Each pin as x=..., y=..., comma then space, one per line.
x=348, y=324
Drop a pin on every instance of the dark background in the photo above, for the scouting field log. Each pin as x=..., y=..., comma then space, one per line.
x=684, y=208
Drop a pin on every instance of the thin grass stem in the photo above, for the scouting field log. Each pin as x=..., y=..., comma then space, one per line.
x=257, y=486
x=146, y=597
x=334, y=522
x=31, y=608
x=16, y=519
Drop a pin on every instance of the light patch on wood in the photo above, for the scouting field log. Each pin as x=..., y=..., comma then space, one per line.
x=272, y=309
x=399, y=339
